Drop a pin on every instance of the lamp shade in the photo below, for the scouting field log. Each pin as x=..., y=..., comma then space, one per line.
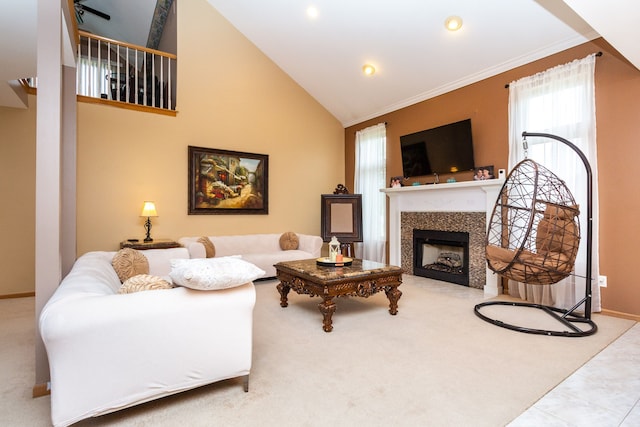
x=149, y=209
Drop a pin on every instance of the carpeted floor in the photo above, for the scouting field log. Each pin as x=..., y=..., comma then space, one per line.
x=435, y=363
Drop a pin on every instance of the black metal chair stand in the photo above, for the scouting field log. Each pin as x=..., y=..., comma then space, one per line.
x=533, y=238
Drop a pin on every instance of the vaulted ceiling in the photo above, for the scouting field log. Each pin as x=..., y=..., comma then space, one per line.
x=415, y=57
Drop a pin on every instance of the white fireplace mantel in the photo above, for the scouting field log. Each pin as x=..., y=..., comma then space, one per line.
x=466, y=196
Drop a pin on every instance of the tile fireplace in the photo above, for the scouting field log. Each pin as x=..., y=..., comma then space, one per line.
x=454, y=224
x=459, y=207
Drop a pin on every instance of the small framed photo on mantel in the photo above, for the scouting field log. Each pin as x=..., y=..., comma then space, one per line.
x=396, y=181
x=483, y=172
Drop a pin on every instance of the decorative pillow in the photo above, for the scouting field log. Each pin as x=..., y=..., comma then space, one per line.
x=213, y=273
x=143, y=282
x=559, y=211
x=289, y=241
x=559, y=235
x=129, y=262
x=209, y=249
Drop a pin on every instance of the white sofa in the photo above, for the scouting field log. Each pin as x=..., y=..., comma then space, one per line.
x=108, y=351
x=263, y=250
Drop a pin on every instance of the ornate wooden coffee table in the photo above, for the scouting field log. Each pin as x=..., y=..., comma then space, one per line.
x=361, y=279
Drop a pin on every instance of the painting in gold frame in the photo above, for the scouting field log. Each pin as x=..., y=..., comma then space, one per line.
x=227, y=182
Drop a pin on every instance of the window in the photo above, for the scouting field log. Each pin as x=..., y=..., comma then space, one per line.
x=370, y=177
x=559, y=101
x=92, y=78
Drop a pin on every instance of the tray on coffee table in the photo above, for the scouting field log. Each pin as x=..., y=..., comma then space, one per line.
x=326, y=262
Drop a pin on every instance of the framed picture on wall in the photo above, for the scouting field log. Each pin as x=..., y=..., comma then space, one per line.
x=227, y=182
x=483, y=172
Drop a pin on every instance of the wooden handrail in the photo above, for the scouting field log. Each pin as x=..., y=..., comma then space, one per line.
x=27, y=86
x=146, y=82
x=126, y=105
x=129, y=45
x=132, y=100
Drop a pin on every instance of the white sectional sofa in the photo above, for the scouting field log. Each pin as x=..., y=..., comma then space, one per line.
x=263, y=250
x=108, y=351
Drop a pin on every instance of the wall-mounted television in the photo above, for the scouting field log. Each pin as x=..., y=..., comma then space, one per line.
x=441, y=150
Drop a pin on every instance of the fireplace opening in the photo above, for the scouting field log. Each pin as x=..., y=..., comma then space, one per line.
x=441, y=255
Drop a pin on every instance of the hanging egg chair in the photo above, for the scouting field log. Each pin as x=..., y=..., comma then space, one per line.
x=533, y=237
x=534, y=231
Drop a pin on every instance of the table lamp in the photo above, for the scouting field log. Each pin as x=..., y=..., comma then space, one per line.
x=148, y=210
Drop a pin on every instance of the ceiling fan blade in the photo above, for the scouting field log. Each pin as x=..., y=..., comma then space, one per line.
x=96, y=12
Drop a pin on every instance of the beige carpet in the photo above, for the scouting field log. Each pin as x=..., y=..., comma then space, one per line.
x=434, y=364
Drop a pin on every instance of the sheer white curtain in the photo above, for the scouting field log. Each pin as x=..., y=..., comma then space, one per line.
x=560, y=101
x=370, y=177
x=92, y=78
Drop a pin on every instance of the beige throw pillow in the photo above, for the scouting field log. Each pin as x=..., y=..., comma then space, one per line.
x=128, y=263
x=143, y=282
x=209, y=249
x=289, y=241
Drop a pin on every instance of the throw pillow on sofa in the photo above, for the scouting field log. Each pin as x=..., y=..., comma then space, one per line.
x=213, y=273
x=289, y=241
x=143, y=282
x=209, y=249
x=129, y=262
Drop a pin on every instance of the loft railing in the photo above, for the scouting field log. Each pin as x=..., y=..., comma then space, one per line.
x=125, y=73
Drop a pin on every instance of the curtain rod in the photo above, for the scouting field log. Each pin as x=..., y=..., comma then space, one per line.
x=597, y=54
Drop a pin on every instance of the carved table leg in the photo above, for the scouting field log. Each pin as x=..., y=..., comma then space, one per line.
x=393, y=294
x=327, y=308
x=284, y=291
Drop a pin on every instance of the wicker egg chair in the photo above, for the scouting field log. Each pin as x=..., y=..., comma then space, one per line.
x=534, y=233
x=533, y=237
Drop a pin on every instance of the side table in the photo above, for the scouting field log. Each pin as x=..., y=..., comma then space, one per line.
x=154, y=244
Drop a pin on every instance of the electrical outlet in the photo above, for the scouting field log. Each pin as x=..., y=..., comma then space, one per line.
x=602, y=281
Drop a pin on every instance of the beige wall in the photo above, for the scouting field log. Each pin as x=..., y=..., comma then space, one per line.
x=17, y=195
x=230, y=97
x=617, y=110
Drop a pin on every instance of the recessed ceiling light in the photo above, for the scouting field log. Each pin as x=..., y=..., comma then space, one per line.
x=312, y=12
x=368, y=69
x=453, y=23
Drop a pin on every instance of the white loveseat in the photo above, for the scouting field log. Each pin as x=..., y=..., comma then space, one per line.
x=263, y=250
x=108, y=351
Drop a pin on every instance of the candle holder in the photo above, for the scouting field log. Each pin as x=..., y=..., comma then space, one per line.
x=334, y=248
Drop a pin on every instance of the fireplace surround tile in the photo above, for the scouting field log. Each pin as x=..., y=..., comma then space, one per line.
x=473, y=223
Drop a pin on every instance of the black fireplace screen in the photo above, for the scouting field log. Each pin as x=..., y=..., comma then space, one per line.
x=441, y=255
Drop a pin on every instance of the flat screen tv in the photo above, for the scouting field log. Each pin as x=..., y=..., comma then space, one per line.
x=441, y=150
